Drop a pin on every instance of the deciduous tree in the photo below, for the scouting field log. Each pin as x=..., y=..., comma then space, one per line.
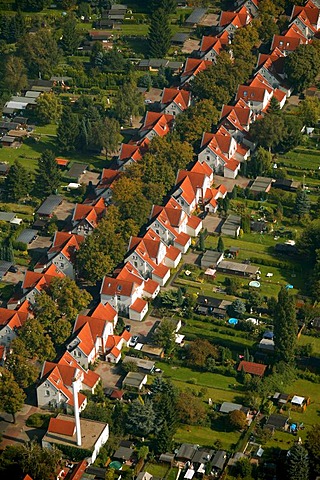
x=238, y=419
x=11, y=395
x=302, y=66
x=49, y=108
x=199, y=351
x=40, y=52
x=164, y=336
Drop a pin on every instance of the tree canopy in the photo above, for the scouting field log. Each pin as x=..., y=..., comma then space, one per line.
x=285, y=327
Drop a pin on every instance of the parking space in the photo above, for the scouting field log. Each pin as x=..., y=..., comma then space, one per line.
x=110, y=374
x=88, y=177
x=15, y=277
x=143, y=329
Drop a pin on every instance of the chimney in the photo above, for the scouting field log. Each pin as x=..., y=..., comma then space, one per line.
x=76, y=407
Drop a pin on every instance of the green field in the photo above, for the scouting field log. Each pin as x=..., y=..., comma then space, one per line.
x=206, y=437
x=31, y=150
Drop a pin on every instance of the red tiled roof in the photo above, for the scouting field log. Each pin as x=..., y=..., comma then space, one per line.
x=41, y=280
x=247, y=93
x=150, y=286
x=12, y=318
x=114, y=286
x=252, y=368
x=194, y=66
x=62, y=427
x=128, y=151
x=180, y=97
x=105, y=312
x=159, y=122
x=138, y=305
x=66, y=243
x=211, y=43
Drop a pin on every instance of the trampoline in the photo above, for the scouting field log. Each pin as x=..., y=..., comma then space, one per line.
x=233, y=321
x=288, y=287
x=115, y=465
x=255, y=284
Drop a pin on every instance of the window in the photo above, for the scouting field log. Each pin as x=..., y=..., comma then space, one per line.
x=47, y=393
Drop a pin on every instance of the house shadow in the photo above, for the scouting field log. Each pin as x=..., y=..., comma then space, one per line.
x=35, y=434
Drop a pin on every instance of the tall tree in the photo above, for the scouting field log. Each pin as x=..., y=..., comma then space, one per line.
x=141, y=418
x=17, y=183
x=313, y=448
x=69, y=298
x=309, y=111
x=36, y=342
x=41, y=463
x=48, y=108
x=220, y=246
x=48, y=176
x=40, y=52
x=70, y=38
x=159, y=33
x=128, y=103
x=298, y=463
x=111, y=136
x=164, y=336
x=17, y=362
x=269, y=131
x=302, y=66
x=302, y=203
x=68, y=129
x=285, y=327
x=11, y=395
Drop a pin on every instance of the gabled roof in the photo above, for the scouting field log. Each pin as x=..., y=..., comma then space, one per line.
x=179, y=97
x=66, y=243
x=311, y=12
x=88, y=329
x=273, y=61
x=237, y=19
x=91, y=213
x=252, y=368
x=105, y=312
x=211, y=43
x=161, y=123
x=41, y=280
x=128, y=151
x=239, y=115
x=12, y=318
x=115, y=286
x=138, y=305
x=193, y=66
x=253, y=94
x=108, y=177
x=62, y=374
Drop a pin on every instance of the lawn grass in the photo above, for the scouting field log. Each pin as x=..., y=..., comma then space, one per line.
x=205, y=436
x=302, y=158
x=172, y=475
x=314, y=341
x=203, y=379
x=30, y=151
x=157, y=469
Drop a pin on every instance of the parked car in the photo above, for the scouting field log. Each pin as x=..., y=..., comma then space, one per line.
x=134, y=340
x=13, y=269
x=128, y=328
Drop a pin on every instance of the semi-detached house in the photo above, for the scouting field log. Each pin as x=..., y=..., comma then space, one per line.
x=61, y=253
x=10, y=322
x=55, y=386
x=174, y=101
x=86, y=217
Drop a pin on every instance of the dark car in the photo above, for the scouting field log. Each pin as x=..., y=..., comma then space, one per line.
x=128, y=328
x=13, y=269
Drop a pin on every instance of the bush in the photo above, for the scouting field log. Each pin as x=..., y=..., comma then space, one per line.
x=22, y=247
x=39, y=420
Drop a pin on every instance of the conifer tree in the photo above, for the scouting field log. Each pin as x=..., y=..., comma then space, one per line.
x=159, y=34
x=17, y=184
x=285, y=327
x=220, y=246
x=302, y=204
x=68, y=129
x=298, y=463
x=48, y=176
x=70, y=38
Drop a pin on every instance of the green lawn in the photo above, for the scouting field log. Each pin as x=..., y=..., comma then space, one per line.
x=203, y=379
x=206, y=437
x=314, y=341
x=301, y=158
x=32, y=149
x=157, y=469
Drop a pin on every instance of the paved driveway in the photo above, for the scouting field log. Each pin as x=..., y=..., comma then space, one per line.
x=212, y=223
x=110, y=374
x=19, y=432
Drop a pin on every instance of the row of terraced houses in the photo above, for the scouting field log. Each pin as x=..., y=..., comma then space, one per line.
x=150, y=258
